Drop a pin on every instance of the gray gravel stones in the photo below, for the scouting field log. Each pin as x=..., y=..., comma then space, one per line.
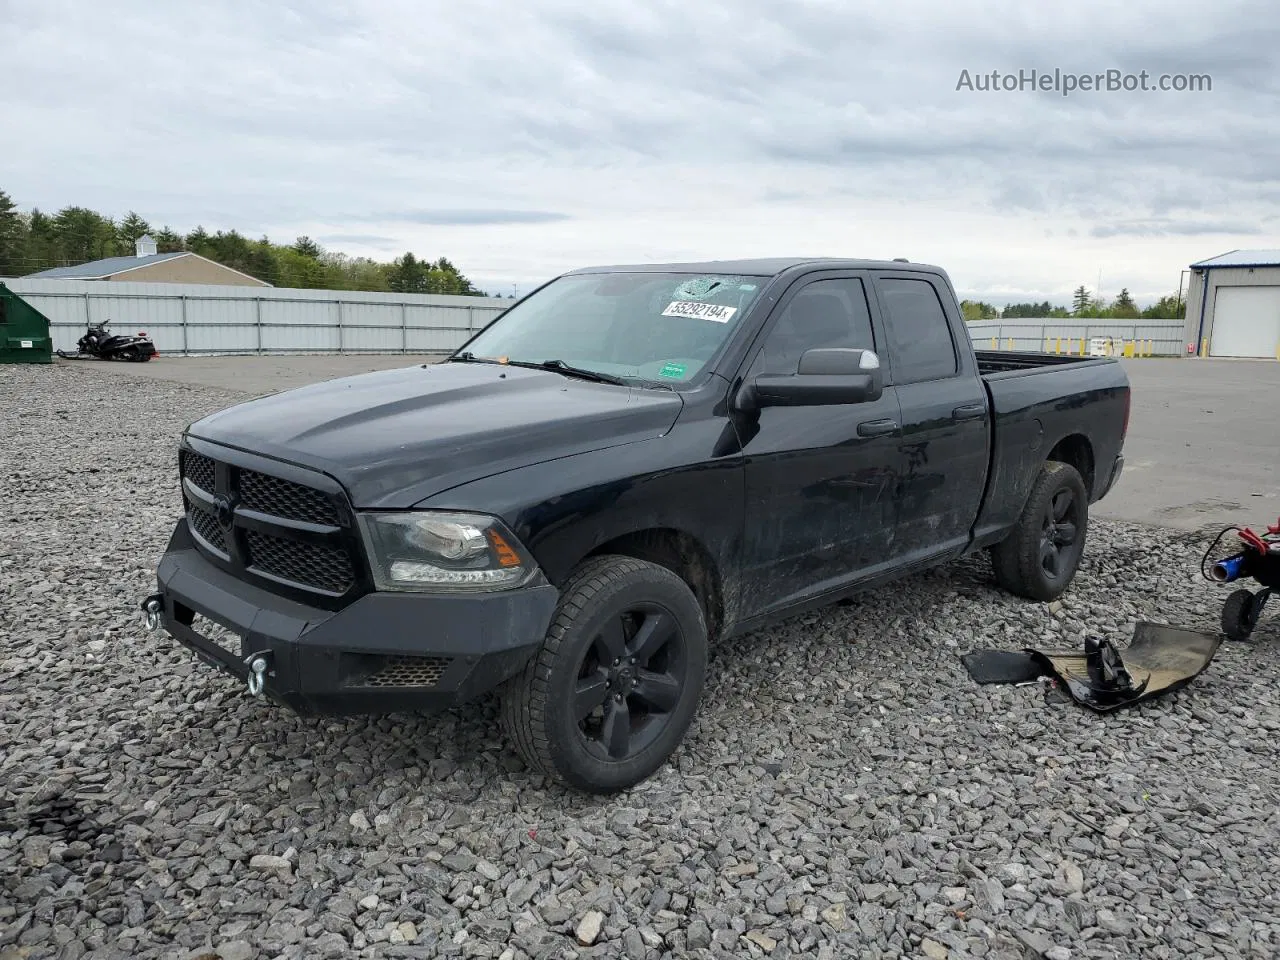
x=846, y=791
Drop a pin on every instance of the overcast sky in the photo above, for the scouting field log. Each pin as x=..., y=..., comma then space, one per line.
x=523, y=138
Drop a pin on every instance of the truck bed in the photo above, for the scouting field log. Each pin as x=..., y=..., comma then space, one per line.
x=1010, y=361
x=1039, y=400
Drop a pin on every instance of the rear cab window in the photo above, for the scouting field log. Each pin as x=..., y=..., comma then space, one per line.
x=919, y=333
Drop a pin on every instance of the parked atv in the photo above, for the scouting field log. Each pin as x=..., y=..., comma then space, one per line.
x=100, y=344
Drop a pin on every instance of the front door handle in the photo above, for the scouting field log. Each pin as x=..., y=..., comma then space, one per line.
x=969, y=411
x=877, y=428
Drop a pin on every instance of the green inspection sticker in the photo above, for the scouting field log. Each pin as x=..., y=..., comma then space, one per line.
x=672, y=370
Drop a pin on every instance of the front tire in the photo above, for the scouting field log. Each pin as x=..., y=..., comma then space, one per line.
x=611, y=693
x=1039, y=559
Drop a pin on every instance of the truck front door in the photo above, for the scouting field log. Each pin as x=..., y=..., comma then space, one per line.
x=820, y=480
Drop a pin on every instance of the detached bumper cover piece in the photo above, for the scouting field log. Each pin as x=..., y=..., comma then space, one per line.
x=1158, y=660
x=382, y=652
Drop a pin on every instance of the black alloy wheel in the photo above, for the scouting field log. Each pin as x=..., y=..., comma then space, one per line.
x=614, y=687
x=1039, y=557
x=630, y=681
x=1059, y=532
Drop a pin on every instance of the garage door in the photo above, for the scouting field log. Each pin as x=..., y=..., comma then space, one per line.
x=1246, y=322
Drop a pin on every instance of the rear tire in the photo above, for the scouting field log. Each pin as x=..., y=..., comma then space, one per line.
x=1039, y=559
x=611, y=693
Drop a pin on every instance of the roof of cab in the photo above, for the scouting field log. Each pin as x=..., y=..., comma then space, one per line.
x=761, y=267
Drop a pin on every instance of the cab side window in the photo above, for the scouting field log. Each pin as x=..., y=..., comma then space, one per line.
x=825, y=313
x=923, y=348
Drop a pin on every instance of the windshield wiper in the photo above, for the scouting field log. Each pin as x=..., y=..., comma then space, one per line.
x=559, y=366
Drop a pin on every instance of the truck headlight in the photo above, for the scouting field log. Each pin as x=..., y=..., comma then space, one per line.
x=446, y=552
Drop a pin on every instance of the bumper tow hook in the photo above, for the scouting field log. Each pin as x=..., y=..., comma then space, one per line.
x=151, y=608
x=258, y=664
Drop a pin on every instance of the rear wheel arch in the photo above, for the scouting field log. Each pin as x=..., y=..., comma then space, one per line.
x=1075, y=450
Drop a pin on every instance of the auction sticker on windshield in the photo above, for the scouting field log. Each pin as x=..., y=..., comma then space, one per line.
x=701, y=311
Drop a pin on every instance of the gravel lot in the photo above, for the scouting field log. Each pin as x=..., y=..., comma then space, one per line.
x=847, y=791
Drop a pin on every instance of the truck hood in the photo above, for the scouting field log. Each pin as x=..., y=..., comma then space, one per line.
x=395, y=437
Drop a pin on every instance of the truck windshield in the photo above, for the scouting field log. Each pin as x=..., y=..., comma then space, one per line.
x=662, y=327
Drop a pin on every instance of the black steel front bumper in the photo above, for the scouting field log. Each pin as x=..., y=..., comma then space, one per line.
x=383, y=652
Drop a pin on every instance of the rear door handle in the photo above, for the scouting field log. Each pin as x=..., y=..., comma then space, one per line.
x=877, y=428
x=969, y=411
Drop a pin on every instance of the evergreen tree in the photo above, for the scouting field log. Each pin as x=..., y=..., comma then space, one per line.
x=12, y=237
x=1124, y=308
x=307, y=247
x=1081, y=301
x=128, y=232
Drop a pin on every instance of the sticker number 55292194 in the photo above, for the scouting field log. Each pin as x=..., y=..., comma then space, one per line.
x=701, y=311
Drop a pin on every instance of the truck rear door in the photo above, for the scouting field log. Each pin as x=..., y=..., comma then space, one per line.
x=946, y=419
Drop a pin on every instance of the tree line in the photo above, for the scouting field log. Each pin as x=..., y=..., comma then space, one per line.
x=35, y=241
x=1084, y=305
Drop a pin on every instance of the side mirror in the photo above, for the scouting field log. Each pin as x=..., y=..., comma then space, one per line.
x=825, y=376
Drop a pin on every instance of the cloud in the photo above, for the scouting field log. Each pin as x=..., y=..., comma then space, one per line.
x=1166, y=228
x=521, y=140
x=482, y=218
x=356, y=239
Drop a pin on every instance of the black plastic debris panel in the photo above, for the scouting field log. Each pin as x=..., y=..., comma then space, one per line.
x=1102, y=677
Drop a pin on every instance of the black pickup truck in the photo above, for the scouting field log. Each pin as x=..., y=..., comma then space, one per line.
x=627, y=464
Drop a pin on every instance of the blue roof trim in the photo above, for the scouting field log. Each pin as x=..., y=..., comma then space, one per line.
x=1242, y=258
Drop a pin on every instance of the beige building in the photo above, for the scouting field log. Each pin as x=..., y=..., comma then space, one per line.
x=147, y=266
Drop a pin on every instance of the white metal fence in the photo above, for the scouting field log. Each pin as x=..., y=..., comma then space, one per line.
x=211, y=319
x=1158, y=338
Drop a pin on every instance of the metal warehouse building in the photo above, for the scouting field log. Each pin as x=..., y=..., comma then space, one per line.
x=1240, y=314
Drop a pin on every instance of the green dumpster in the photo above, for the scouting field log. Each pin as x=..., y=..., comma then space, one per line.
x=24, y=331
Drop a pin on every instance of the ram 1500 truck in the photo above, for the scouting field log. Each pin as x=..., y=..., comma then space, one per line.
x=627, y=464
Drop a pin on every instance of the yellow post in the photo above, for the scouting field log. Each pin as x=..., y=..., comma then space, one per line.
x=1204, y=347
x=1083, y=342
x=1129, y=349
x=994, y=344
x=1151, y=348
x=1011, y=343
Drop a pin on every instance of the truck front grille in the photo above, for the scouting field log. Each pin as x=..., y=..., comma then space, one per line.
x=205, y=526
x=198, y=469
x=328, y=568
x=271, y=529
x=284, y=498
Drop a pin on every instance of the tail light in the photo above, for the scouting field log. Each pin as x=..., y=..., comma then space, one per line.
x=142, y=333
